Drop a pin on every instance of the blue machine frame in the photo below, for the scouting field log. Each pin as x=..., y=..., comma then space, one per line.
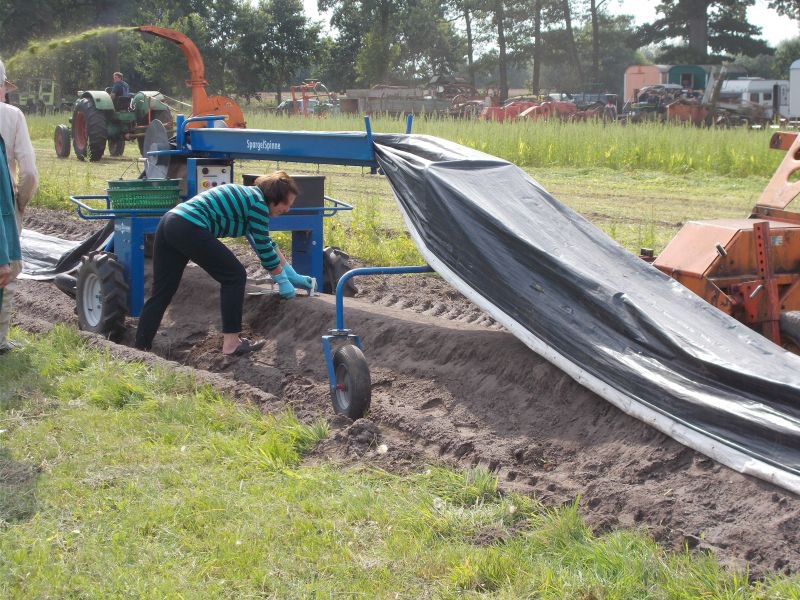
x=205, y=145
x=200, y=145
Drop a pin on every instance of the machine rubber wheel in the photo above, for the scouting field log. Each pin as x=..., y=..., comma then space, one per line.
x=790, y=330
x=61, y=141
x=89, y=131
x=352, y=393
x=102, y=295
x=116, y=146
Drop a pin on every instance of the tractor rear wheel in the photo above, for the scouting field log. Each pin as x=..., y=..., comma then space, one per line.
x=352, y=393
x=116, y=146
x=61, y=141
x=89, y=130
x=102, y=295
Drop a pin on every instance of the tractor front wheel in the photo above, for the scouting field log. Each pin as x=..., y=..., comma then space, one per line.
x=352, y=393
x=101, y=295
x=116, y=146
x=61, y=141
x=89, y=131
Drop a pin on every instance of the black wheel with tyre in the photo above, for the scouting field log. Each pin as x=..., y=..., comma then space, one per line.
x=116, y=146
x=101, y=295
x=352, y=392
x=89, y=130
x=61, y=141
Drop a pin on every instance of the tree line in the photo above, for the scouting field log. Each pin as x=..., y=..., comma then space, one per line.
x=256, y=45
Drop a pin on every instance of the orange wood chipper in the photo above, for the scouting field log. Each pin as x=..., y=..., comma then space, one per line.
x=749, y=268
x=202, y=103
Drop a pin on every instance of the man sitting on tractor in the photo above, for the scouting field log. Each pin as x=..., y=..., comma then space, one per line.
x=120, y=92
x=119, y=89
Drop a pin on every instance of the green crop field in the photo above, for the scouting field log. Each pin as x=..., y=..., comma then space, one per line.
x=639, y=183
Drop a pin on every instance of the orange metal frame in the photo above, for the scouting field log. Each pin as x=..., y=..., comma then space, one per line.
x=307, y=91
x=202, y=103
x=749, y=268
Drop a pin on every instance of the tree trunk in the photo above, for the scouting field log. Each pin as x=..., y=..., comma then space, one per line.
x=470, y=49
x=697, y=25
x=500, y=17
x=573, y=48
x=595, y=42
x=385, y=39
x=537, y=47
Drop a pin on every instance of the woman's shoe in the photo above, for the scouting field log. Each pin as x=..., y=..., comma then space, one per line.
x=246, y=346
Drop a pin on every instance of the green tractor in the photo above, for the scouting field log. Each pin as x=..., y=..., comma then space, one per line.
x=98, y=119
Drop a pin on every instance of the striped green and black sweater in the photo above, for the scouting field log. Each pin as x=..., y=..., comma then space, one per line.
x=233, y=210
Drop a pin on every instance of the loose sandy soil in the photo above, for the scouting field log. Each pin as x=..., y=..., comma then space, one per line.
x=448, y=384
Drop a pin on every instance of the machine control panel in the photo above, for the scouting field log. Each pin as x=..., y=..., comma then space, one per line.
x=211, y=175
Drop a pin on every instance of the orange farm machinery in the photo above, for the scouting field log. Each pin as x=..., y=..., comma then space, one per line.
x=749, y=268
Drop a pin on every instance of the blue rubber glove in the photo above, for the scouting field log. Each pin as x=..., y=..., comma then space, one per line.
x=301, y=281
x=285, y=289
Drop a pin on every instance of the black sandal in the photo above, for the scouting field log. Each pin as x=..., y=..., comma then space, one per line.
x=246, y=347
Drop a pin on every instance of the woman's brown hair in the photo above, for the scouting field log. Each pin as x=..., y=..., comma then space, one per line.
x=276, y=187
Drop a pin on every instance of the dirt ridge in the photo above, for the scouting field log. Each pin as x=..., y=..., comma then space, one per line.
x=450, y=387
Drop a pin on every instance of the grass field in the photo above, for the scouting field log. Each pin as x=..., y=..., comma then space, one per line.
x=122, y=481
x=638, y=184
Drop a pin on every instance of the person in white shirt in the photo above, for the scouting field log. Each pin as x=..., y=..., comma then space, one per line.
x=25, y=179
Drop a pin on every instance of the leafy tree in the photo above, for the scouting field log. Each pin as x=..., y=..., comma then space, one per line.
x=278, y=42
x=377, y=23
x=505, y=24
x=465, y=10
x=429, y=45
x=719, y=24
x=786, y=53
x=787, y=8
x=752, y=66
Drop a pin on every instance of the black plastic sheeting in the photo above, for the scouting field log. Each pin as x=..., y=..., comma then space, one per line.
x=45, y=256
x=610, y=320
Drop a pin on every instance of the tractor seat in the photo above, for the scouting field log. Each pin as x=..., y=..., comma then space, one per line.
x=122, y=103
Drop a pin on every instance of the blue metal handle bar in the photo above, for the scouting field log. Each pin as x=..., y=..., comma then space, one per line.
x=338, y=205
x=89, y=213
x=368, y=271
x=180, y=124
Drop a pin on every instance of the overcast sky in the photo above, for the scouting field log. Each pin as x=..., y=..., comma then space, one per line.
x=773, y=28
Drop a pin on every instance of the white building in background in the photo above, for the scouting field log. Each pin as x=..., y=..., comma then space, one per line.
x=794, y=90
x=768, y=93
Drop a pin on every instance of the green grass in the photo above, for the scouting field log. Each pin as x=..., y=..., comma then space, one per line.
x=674, y=149
x=122, y=481
x=638, y=208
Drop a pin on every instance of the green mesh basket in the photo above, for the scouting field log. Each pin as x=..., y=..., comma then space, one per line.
x=143, y=193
